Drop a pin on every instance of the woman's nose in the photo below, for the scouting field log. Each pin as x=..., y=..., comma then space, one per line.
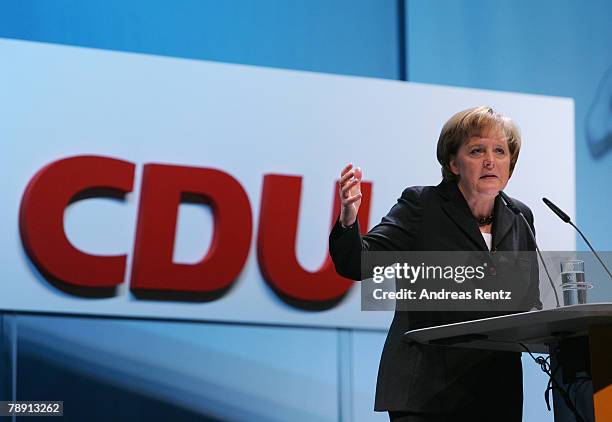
x=488, y=161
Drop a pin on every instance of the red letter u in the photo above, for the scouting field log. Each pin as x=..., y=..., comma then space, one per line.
x=276, y=242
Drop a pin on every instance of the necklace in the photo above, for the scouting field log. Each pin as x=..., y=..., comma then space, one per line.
x=485, y=221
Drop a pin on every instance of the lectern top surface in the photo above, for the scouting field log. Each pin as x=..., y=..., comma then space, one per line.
x=538, y=330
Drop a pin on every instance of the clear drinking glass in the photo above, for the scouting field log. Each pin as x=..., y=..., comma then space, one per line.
x=573, y=282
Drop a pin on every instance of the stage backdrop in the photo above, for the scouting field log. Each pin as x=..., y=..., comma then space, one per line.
x=255, y=127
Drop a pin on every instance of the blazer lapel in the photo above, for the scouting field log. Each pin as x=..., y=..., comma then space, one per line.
x=502, y=223
x=458, y=210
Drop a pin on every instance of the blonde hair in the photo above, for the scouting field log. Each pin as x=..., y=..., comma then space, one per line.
x=476, y=121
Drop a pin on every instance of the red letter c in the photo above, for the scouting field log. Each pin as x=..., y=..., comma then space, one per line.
x=41, y=217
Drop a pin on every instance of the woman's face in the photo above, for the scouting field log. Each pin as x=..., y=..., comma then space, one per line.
x=483, y=165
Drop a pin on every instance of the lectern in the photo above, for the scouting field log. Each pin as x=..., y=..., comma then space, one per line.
x=579, y=336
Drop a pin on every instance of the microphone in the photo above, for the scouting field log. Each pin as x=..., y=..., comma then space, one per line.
x=516, y=210
x=510, y=204
x=563, y=216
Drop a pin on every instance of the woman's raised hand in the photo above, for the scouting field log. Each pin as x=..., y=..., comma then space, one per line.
x=350, y=194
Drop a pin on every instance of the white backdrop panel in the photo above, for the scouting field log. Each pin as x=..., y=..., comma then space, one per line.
x=59, y=101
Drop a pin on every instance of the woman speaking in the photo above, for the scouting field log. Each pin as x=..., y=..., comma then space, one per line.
x=478, y=149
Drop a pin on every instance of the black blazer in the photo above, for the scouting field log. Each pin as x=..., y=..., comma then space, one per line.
x=435, y=379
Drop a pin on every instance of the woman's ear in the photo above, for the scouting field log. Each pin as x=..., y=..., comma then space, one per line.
x=453, y=165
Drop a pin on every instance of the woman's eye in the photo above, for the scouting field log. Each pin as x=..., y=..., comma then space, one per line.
x=500, y=151
x=475, y=151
